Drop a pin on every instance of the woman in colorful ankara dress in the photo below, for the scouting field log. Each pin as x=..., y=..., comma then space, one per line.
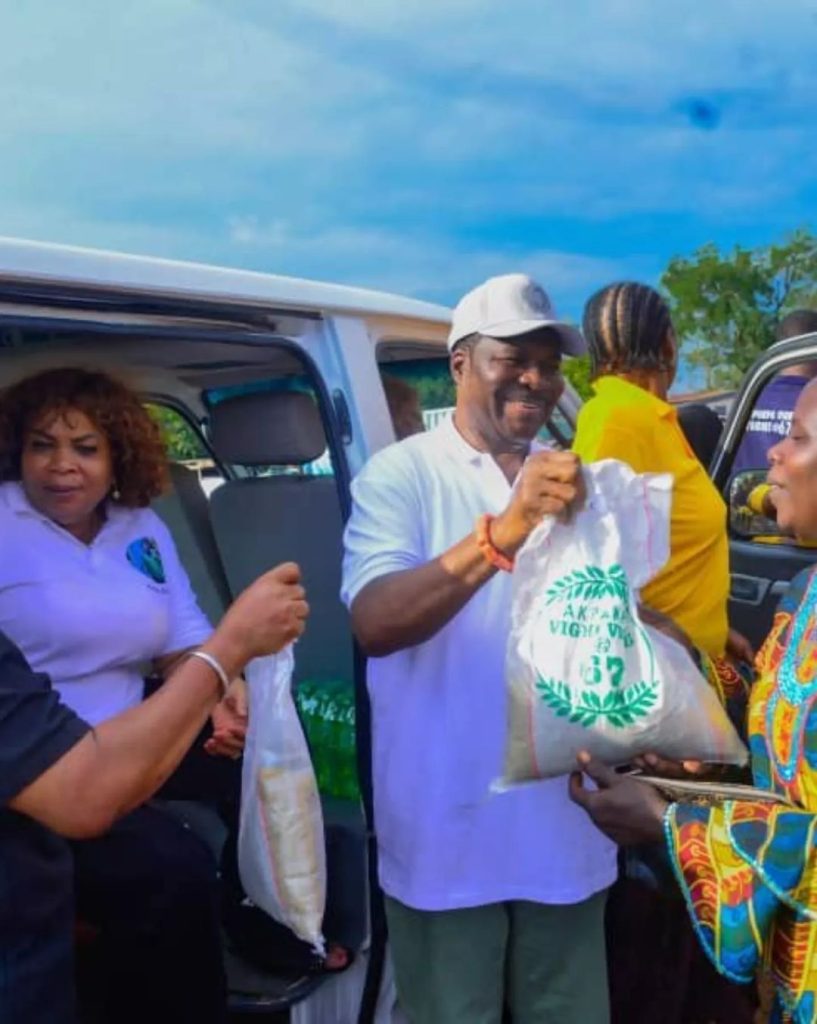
x=748, y=869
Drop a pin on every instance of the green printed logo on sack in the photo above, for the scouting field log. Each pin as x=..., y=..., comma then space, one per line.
x=605, y=651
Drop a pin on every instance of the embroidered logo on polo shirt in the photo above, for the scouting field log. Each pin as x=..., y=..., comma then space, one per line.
x=143, y=554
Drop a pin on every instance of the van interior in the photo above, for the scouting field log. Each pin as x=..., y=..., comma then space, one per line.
x=256, y=481
x=258, y=477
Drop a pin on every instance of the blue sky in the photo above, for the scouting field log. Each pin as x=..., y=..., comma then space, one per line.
x=412, y=145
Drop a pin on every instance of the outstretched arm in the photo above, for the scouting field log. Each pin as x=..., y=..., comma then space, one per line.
x=123, y=761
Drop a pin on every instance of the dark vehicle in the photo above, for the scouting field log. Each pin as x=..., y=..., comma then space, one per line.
x=762, y=562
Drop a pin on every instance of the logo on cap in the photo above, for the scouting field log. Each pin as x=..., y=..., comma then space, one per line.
x=536, y=298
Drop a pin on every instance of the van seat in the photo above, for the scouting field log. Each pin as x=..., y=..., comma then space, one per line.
x=185, y=512
x=260, y=522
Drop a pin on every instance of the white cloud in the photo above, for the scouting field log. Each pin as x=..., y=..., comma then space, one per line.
x=418, y=145
x=591, y=45
x=175, y=73
x=421, y=264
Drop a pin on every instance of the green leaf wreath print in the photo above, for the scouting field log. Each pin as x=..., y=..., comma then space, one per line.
x=619, y=707
x=590, y=582
x=598, y=618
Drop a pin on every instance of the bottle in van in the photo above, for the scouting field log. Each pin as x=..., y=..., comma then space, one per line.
x=327, y=710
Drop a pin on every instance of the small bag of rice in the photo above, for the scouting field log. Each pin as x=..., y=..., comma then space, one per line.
x=281, y=852
x=583, y=671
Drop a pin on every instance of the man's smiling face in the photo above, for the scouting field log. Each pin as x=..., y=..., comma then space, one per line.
x=509, y=388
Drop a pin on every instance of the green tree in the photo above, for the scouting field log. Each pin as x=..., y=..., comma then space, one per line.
x=577, y=371
x=430, y=378
x=726, y=307
x=435, y=389
x=180, y=439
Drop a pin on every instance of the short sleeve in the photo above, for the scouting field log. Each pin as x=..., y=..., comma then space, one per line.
x=189, y=626
x=384, y=533
x=36, y=730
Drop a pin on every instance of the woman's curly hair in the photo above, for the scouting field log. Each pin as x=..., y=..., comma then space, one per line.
x=137, y=450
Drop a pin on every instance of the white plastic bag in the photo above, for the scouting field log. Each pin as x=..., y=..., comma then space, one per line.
x=281, y=852
x=582, y=671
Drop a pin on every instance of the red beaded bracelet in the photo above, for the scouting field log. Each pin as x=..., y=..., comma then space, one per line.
x=488, y=550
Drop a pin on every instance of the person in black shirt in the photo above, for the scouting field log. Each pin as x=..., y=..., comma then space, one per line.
x=60, y=778
x=36, y=908
x=702, y=428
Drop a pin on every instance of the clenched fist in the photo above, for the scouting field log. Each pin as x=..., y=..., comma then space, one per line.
x=550, y=484
x=269, y=614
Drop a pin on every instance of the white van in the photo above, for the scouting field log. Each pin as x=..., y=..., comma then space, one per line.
x=271, y=392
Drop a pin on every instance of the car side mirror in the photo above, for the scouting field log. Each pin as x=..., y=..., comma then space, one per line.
x=746, y=508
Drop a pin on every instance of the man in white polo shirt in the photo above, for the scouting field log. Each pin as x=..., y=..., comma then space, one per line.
x=492, y=900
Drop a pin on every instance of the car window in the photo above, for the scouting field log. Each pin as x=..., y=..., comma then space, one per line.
x=769, y=423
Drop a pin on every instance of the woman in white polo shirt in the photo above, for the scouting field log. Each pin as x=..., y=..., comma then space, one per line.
x=92, y=591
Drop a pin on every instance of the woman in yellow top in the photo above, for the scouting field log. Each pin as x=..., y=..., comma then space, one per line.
x=634, y=356
x=657, y=971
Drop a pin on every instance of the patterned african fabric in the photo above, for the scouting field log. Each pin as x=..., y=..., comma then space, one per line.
x=748, y=871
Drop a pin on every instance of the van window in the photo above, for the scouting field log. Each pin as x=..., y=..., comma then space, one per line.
x=182, y=442
x=322, y=466
x=185, y=446
x=420, y=390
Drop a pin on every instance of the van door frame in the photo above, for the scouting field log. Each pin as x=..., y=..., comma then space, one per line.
x=347, y=338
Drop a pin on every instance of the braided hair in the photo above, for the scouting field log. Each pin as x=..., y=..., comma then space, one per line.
x=626, y=327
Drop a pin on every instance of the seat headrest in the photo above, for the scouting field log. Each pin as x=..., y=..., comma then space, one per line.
x=272, y=429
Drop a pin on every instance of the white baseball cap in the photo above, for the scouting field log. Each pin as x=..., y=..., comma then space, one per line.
x=509, y=306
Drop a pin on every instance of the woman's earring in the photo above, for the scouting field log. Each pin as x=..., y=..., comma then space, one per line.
x=115, y=492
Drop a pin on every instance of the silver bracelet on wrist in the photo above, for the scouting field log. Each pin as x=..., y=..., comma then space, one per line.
x=216, y=666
